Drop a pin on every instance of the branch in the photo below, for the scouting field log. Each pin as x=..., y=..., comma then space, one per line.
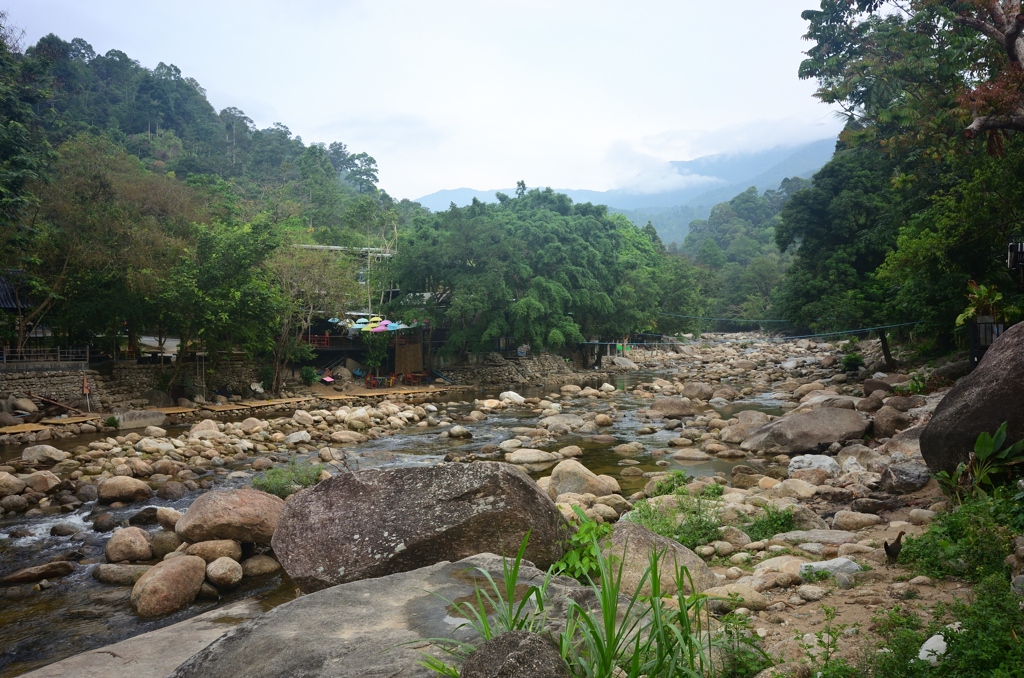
x=1011, y=38
x=992, y=122
x=980, y=26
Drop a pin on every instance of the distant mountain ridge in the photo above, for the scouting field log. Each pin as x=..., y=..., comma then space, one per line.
x=729, y=174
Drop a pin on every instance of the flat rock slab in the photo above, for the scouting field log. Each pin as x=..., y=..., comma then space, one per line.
x=153, y=654
x=358, y=629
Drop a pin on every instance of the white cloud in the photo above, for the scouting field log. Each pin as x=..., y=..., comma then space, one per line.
x=745, y=137
x=645, y=174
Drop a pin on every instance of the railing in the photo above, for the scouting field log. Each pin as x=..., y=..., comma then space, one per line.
x=324, y=341
x=46, y=355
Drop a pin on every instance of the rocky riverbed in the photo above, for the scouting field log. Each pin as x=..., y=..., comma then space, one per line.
x=97, y=517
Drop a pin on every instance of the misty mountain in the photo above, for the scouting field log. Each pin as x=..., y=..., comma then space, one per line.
x=729, y=174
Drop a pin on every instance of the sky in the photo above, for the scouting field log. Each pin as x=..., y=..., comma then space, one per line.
x=482, y=93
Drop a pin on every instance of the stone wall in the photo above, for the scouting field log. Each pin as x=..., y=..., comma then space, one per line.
x=543, y=369
x=119, y=386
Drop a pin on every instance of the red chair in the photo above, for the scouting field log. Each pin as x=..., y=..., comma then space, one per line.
x=372, y=381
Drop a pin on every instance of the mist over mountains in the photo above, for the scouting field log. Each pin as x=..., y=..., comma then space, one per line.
x=723, y=177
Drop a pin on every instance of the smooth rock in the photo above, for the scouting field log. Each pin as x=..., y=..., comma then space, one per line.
x=224, y=573
x=128, y=543
x=633, y=545
x=124, y=489
x=168, y=586
x=245, y=515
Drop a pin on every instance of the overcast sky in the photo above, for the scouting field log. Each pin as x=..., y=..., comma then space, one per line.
x=482, y=93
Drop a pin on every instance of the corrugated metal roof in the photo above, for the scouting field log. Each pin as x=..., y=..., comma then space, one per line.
x=8, y=301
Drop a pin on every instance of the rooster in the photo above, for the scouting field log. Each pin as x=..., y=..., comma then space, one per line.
x=892, y=551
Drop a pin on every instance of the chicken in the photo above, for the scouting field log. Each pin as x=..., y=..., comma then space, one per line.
x=892, y=551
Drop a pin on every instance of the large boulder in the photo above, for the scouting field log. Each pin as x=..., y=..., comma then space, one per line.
x=372, y=627
x=140, y=419
x=905, y=477
x=672, y=408
x=129, y=543
x=245, y=515
x=807, y=431
x=10, y=484
x=571, y=476
x=44, y=454
x=888, y=420
x=979, y=403
x=168, y=586
x=377, y=522
x=698, y=390
x=47, y=571
x=123, y=488
x=632, y=545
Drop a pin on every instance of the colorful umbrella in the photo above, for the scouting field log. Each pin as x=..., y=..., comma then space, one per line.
x=375, y=319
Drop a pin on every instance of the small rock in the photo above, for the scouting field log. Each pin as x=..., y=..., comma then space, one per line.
x=224, y=573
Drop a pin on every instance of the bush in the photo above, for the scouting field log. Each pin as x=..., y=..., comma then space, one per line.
x=580, y=558
x=774, y=521
x=691, y=522
x=852, y=362
x=307, y=375
x=112, y=422
x=967, y=542
x=287, y=480
x=267, y=377
x=673, y=483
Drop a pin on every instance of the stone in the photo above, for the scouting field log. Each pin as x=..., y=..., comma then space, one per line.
x=297, y=437
x=829, y=537
x=163, y=543
x=731, y=596
x=872, y=385
x=815, y=461
x=129, y=543
x=629, y=449
x=124, y=489
x=260, y=565
x=513, y=396
x=172, y=490
x=980, y=402
x=793, y=487
x=376, y=522
x=42, y=481
x=87, y=492
x=25, y=405
x=851, y=520
x=905, y=477
x=245, y=515
x=459, y=432
x=168, y=586
x=10, y=484
x=167, y=518
x=516, y=654
x=54, y=570
x=698, y=390
x=633, y=545
x=308, y=636
x=529, y=456
x=224, y=573
x=303, y=418
x=216, y=548
x=619, y=361
x=571, y=476
x=571, y=451
x=119, y=575
x=44, y=454
x=155, y=432
x=888, y=421
x=834, y=566
x=134, y=419
x=807, y=431
x=811, y=593
x=907, y=443
x=672, y=408
x=921, y=516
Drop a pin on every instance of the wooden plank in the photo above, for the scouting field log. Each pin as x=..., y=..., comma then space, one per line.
x=225, y=408
x=172, y=410
x=22, y=428
x=69, y=420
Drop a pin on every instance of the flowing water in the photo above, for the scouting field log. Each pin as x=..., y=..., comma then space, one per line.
x=78, y=613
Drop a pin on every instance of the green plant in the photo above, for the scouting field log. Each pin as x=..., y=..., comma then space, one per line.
x=672, y=483
x=267, y=377
x=580, y=557
x=825, y=663
x=163, y=381
x=376, y=348
x=687, y=519
x=772, y=522
x=289, y=479
x=308, y=375
x=852, y=362
x=112, y=422
x=713, y=491
x=966, y=542
x=989, y=461
x=983, y=301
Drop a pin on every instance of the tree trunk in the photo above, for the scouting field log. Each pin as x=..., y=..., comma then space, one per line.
x=890, y=364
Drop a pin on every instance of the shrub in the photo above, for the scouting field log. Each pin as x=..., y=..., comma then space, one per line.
x=967, y=542
x=852, y=362
x=690, y=521
x=774, y=521
x=286, y=480
x=580, y=558
x=307, y=375
x=673, y=483
x=267, y=377
x=112, y=422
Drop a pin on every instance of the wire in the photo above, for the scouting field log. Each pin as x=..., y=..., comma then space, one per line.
x=729, y=320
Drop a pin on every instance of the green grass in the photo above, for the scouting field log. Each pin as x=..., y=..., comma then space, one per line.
x=774, y=521
x=287, y=480
x=966, y=542
x=691, y=523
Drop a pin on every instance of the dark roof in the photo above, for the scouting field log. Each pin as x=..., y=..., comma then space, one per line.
x=7, y=289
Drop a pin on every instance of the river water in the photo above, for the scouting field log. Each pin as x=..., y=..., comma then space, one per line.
x=78, y=613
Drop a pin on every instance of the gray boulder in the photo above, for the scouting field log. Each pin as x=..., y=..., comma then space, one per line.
x=807, y=431
x=44, y=454
x=619, y=361
x=308, y=636
x=378, y=522
x=888, y=420
x=631, y=545
x=833, y=567
x=905, y=477
x=672, y=408
x=980, y=402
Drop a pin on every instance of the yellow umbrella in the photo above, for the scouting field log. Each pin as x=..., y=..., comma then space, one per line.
x=375, y=319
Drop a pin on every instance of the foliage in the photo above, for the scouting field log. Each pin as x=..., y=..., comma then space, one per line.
x=966, y=542
x=289, y=479
x=773, y=521
x=822, y=651
x=989, y=462
x=580, y=558
x=308, y=375
x=919, y=385
x=687, y=519
x=852, y=362
x=376, y=348
x=984, y=301
x=112, y=422
x=673, y=483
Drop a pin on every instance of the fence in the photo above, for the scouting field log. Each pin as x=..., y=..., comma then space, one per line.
x=46, y=355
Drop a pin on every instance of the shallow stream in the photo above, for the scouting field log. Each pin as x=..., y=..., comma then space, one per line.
x=78, y=613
